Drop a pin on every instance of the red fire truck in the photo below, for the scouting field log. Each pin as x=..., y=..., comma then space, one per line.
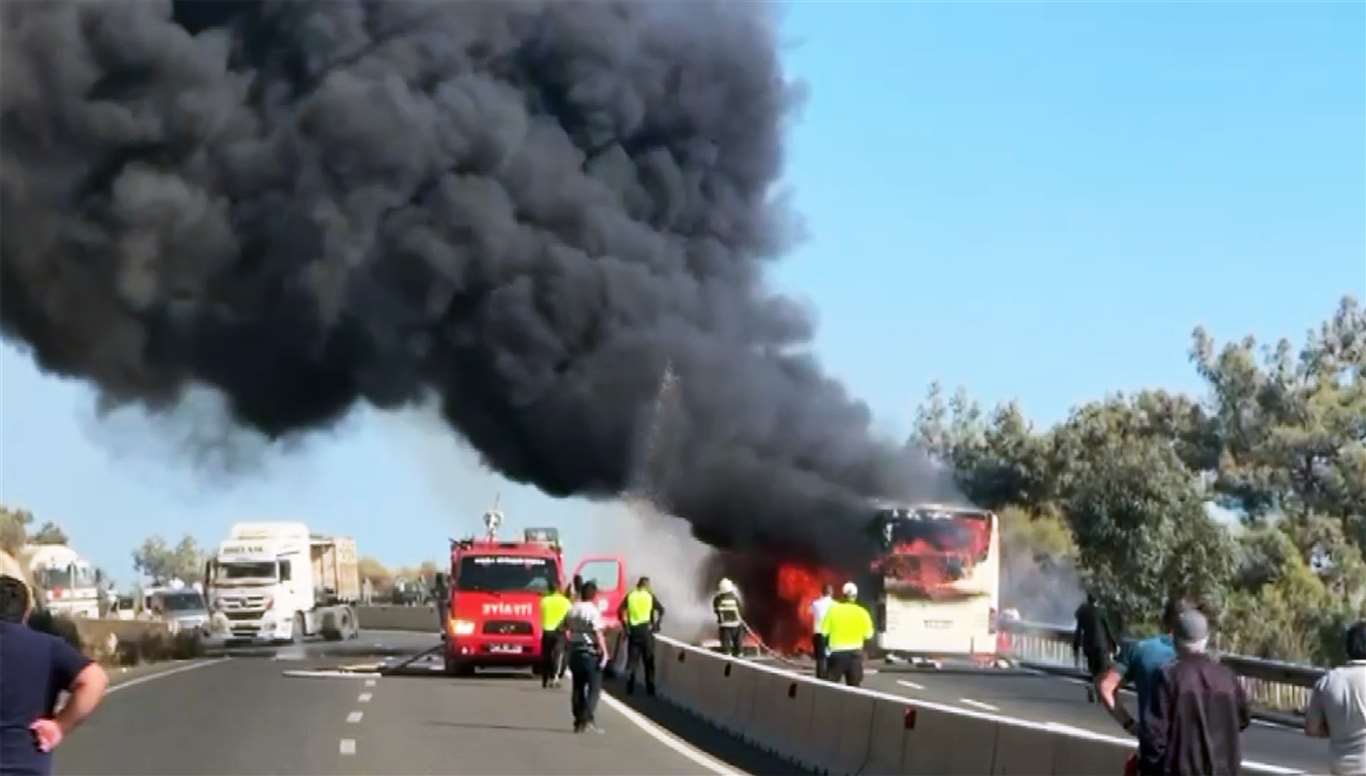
x=493, y=616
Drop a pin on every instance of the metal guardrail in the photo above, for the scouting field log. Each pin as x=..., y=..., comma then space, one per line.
x=1272, y=684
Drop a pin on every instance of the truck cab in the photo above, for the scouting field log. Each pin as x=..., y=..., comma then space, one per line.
x=70, y=585
x=275, y=582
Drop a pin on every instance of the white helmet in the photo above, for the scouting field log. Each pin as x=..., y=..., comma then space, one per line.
x=726, y=586
x=850, y=590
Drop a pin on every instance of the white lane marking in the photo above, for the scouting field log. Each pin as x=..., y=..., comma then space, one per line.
x=911, y=685
x=667, y=739
x=354, y=717
x=365, y=697
x=979, y=704
x=150, y=677
x=324, y=674
x=369, y=682
x=348, y=746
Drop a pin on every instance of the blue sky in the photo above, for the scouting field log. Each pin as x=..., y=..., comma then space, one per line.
x=1036, y=201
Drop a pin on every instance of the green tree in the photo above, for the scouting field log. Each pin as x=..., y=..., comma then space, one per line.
x=161, y=563
x=1141, y=529
x=14, y=529
x=50, y=533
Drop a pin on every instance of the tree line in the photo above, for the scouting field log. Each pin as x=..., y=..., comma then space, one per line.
x=1251, y=497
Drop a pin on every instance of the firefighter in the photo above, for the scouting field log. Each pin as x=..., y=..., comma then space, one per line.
x=729, y=622
x=846, y=626
x=641, y=613
x=554, y=606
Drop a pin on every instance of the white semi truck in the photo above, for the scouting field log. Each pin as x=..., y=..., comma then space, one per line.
x=277, y=582
x=69, y=584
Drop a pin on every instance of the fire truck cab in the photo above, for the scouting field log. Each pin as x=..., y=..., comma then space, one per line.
x=493, y=614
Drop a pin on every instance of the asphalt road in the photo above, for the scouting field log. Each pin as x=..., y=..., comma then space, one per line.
x=1045, y=698
x=245, y=714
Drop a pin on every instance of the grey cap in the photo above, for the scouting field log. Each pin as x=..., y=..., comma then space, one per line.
x=1191, y=628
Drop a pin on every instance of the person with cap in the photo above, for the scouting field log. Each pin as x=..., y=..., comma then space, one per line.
x=1140, y=664
x=1337, y=709
x=555, y=605
x=1199, y=709
x=846, y=626
x=819, y=650
x=729, y=620
x=583, y=628
x=34, y=668
x=642, y=615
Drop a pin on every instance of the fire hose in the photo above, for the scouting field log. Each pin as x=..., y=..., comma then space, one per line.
x=764, y=648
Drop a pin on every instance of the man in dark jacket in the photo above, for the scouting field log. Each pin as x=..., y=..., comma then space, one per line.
x=1199, y=710
x=1093, y=638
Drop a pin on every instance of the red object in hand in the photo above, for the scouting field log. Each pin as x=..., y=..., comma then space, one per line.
x=1131, y=765
x=48, y=733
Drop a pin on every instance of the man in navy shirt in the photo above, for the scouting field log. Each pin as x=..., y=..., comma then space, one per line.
x=34, y=669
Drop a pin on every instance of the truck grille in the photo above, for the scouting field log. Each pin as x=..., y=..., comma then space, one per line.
x=508, y=628
x=231, y=615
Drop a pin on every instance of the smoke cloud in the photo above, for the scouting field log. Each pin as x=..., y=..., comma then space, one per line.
x=528, y=210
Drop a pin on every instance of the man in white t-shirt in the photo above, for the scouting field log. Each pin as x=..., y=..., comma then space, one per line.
x=819, y=648
x=583, y=628
x=1337, y=710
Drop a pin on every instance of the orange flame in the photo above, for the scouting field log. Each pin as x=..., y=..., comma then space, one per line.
x=798, y=586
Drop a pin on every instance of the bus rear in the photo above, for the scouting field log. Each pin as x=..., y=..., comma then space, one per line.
x=939, y=569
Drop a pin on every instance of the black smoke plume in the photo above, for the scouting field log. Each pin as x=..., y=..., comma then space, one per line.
x=523, y=209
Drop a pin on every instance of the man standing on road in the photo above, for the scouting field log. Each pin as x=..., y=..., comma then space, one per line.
x=1093, y=638
x=1199, y=710
x=1141, y=664
x=34, y=668
x=555, y=605
x=846, y=626
x=1337, y=710
x=729, y=621
x=819, y=650
x=642, y=614
x=583, y=628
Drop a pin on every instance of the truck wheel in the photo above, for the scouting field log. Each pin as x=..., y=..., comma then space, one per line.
x=297, y=633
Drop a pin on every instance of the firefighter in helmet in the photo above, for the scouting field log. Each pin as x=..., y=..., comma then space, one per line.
x=729, y=622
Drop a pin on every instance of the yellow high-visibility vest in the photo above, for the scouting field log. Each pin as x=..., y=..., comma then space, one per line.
x=639, y=606
x=846, y=626
x=554, y=607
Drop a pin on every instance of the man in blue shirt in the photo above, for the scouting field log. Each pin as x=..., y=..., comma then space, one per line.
x=34, y=668
x=1141, y=664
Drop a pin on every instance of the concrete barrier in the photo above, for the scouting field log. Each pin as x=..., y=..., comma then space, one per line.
x=409, y=618
x=832, y=729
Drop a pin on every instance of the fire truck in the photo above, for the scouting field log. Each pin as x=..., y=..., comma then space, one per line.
x=493, y=614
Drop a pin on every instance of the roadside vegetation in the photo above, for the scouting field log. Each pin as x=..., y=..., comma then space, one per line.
x=1251, y=496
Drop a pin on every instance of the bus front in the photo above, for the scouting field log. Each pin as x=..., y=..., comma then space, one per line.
x=939, y=569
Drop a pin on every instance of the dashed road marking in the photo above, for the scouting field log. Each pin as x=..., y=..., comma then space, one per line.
x=365, y=697
x=355, y=717
x=979, y=704
x=369, y=682
x=348, y=746
x=911, y=685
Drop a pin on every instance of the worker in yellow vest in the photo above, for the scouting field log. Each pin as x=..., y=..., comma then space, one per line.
x=554, y=606
x=641, y=614
x=846, y=626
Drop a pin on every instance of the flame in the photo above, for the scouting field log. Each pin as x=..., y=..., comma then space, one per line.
x=932, y=569
x=798, y=586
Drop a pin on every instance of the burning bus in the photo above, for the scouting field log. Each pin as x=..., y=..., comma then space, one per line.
x=936, y=574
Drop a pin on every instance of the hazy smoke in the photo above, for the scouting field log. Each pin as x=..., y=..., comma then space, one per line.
x=526, y=209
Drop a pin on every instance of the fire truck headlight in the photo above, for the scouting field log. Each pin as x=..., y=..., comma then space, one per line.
x=462, y=627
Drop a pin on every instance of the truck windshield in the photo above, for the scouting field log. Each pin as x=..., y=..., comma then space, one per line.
x=182, y=602
x=259, y=570
x=68, y=577
x=506, y=573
